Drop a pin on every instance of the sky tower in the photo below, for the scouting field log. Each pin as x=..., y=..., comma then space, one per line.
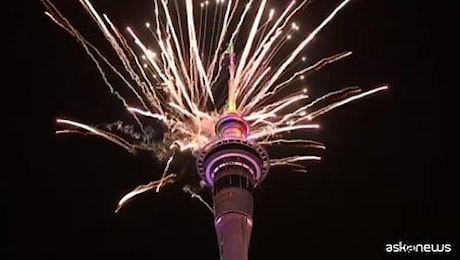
x=232, y=166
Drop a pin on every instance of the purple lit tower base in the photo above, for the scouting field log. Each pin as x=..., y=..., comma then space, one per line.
x=232, y=166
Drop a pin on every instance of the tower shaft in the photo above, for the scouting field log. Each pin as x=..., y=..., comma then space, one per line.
x=233, y=228
x=233, y=207
x=232, y=166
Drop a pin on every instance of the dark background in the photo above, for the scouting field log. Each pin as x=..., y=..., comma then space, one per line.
x=381, y=180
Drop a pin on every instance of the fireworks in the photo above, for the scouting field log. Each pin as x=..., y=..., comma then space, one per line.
x=210, y=60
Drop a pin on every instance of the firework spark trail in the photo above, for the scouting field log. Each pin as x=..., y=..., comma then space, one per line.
x=265, y=53
x=178, y=87
x=304, y=72
x=251, y=90
x=168, y=164
x=262, y=54
x=231, y=41
x=328, y=108
x=296, y=142
x=264, y=132
x=61, y=21
x=181, y=30
x=294, y=161
x=214, y=20
x=203, y=39
x=160, y=117
x=272, y=109
x=229, y=12
x=264, y=26
x=109, y=136
x=246, y=51
x=193, y=194
x=184, y=72
x=116, y=46
x=142, y=81
x=262, y=94
x=176, y=97
x=194, y=51
x=285, y=160
x=143, y=188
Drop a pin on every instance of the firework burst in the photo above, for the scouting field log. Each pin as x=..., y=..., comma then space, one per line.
x=210, y=60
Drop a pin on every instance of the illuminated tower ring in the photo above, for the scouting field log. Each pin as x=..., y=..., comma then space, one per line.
x=232, y=166
x=231, y=150
x=233, y=153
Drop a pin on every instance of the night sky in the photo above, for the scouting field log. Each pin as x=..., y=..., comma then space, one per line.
x=379, y=181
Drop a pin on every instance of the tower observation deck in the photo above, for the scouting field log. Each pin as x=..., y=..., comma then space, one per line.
x=232, y=166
